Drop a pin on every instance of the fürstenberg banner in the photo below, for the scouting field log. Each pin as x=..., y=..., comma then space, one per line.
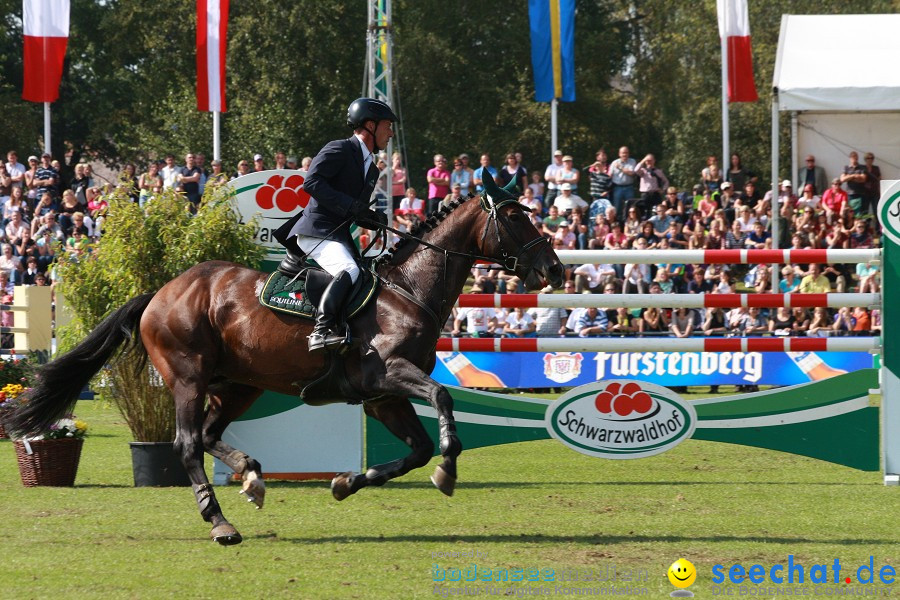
x=555, y=369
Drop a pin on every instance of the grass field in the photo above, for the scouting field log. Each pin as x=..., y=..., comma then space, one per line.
x=534, y=505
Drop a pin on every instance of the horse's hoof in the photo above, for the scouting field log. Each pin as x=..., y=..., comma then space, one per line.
x=443, y=481
x=225, y=535
x=340, y=485
x=255, y=490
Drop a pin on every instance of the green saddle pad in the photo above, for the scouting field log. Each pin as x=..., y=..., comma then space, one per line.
x=288, y=295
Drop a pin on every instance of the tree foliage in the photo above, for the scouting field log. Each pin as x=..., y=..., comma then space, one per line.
x=677, y=80
x=647, y=75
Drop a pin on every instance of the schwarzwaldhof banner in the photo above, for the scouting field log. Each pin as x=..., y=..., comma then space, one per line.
x=552, y=24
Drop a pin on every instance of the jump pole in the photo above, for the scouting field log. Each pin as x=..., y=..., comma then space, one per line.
x=661, y=344
x=667, y=300
x=707, y=257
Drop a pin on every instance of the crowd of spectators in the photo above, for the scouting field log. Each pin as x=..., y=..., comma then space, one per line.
x=631, y=204
x=618, y=204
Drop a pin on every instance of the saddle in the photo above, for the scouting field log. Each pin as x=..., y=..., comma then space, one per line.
x=297, y=292
x=298, y=295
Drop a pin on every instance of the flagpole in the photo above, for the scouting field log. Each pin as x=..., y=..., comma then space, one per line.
x=726, y=159
x=217, y=146
x=553, y=125
x=47, y=127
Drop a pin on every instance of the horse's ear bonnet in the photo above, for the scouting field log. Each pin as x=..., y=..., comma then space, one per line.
x=495, y=193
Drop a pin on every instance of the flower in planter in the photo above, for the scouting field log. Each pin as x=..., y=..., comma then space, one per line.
x=10, y=398
x=67, y=427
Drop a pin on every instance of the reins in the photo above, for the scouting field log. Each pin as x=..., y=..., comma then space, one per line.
x=492, y=209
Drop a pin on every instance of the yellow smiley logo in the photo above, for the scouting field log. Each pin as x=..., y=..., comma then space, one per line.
x=682, y=573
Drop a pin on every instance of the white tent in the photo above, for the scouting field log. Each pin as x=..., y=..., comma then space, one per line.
x=838, y=76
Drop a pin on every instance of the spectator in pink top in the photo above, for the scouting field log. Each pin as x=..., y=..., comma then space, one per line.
x=834, y=199
x=398, y=180
x=438, y=182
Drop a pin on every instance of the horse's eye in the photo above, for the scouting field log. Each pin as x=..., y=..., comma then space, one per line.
x=515, y=216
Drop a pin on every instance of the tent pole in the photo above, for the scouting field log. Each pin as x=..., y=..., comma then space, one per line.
x=776, y=205
x=794, y=156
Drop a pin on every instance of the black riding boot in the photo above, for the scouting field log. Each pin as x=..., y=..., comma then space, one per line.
x=292, y=263
x=325, y=335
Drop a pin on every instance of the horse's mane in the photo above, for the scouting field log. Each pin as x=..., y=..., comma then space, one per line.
x=423, y=227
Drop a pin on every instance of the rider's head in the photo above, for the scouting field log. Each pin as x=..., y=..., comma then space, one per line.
x=372, y=119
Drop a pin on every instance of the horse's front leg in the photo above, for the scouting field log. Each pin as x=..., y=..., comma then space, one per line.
x=402, y=377
x=398, y=415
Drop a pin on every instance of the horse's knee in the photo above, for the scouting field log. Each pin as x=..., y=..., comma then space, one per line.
x=189, y=448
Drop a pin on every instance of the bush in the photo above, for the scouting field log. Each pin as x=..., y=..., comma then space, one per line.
x=142, y=250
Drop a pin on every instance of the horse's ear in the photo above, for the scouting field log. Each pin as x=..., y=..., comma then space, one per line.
x=510, y=187
x=491, y=189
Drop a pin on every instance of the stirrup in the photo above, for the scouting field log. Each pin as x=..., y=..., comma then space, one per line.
x=327, y=340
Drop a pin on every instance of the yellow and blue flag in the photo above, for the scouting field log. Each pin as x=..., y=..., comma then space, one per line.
x=553, y=49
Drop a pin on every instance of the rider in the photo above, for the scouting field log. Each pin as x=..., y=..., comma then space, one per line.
x=340, y=181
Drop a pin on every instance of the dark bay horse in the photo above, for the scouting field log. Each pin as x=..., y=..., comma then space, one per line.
x=208, y=336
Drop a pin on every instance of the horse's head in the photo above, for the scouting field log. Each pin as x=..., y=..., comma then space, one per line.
x=512, y=240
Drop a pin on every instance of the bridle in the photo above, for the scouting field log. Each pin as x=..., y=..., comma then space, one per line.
x=492, y=209
x=508, y=261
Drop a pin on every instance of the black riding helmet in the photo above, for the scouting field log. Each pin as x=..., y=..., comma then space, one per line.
x=368, y=109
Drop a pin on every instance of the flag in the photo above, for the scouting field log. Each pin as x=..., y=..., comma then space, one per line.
x=45, y=24
x=552, y=24
x=212, y=30
x=734, y=25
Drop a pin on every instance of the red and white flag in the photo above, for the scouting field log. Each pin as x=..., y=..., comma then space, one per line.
x=212, y=30
x=734, y=24
x=45, y=24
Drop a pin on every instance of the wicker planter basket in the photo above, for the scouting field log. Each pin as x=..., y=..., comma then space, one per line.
x=51, y=462
x=3, y=435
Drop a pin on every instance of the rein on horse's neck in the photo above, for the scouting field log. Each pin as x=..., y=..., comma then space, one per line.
x=435, y=277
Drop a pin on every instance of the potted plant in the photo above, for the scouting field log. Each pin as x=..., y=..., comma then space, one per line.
x=51, y=457
x=140, y=251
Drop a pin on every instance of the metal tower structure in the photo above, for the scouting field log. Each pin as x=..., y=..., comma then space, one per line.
x=378, y=83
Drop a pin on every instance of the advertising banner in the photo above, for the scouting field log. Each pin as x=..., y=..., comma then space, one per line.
x=569, y=369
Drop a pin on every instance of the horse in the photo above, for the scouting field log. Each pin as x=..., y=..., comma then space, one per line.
x=208, y=336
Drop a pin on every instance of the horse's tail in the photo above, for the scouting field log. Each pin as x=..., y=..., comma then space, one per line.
x=60, y=382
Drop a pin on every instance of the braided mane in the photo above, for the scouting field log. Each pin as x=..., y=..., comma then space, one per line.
x=423, y=227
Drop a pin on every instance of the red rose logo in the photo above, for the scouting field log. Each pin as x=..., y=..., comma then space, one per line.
x=623, y=400
x=288, y=194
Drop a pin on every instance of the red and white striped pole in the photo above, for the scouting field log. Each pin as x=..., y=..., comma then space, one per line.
x=666, y=300
x=706, y=257
x=660, y=344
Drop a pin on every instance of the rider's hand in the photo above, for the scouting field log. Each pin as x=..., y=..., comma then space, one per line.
x=373, y=217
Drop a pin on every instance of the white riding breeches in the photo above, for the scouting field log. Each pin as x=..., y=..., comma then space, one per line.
x=332, y=256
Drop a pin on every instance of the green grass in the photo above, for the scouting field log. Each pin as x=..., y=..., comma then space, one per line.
x=525, y=505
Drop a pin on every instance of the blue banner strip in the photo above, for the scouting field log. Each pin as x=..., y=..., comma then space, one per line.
x=553, y=49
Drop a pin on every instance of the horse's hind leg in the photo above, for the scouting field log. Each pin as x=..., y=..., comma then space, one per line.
x=189, y=397
x=398, y=416
x=227, y=402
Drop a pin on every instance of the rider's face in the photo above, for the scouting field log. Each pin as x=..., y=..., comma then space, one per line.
x=384, y=131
